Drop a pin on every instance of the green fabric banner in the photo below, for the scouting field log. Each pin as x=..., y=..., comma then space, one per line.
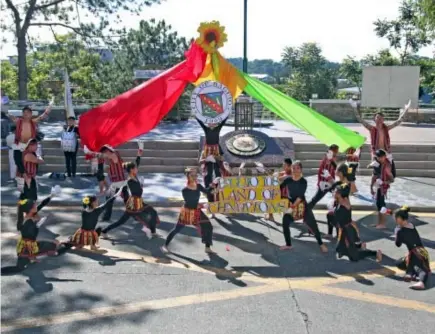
x=323, y=129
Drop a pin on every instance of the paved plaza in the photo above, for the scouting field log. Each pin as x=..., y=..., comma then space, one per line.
x=249, y=286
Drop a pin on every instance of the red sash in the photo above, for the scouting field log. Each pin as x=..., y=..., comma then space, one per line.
x=29, y=167
x=328, y=165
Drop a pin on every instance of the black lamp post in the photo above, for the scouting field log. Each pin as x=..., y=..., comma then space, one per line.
x=245, y=36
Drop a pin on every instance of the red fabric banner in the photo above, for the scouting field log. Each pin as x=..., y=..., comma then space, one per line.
x=140, y=109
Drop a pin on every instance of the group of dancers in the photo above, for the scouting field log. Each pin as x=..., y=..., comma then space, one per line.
x=332, y=178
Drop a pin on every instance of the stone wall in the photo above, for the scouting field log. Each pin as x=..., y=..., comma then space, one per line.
x=339, y=111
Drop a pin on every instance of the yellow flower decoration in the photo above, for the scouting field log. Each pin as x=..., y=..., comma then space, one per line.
x=22, y=202
x=344, y=186
x=212, y=36
x=86, y=201
x=349, y=170
x=404, y=207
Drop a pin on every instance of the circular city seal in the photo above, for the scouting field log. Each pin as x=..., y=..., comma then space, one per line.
x=245, y=144
x=211, y=102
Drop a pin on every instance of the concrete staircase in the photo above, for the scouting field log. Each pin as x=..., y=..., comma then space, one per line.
x=158, y=157
x=410, y=160
x=173, y=157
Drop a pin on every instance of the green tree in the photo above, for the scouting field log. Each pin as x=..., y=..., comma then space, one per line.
x=351, y=70
x=63, y=13
x=426, y=10
x=154, y=45
x=405, y=33
x=310, y=72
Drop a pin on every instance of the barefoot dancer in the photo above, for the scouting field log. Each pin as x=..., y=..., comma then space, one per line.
x=380, y=133
x=381, y=179
x=349, y=243
x=87, y=235
x=134, y=204
x=191, y=213
x=28, y=223
x=296, y=188
x=116, y=173
x=416, y=263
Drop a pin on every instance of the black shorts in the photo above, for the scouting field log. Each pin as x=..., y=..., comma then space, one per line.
x=380, y=200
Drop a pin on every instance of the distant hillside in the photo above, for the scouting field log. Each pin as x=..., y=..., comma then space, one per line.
x=269, y=66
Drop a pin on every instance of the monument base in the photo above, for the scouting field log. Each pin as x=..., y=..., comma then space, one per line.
x=250, y=146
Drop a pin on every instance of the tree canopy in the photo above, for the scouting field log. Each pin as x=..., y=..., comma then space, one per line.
x=66, y=14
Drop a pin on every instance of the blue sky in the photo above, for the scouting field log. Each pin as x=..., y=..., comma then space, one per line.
x=341, y=27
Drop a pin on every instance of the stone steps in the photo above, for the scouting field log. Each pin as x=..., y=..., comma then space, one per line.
x=397, y=148
x=409, y=156
x=174, y=157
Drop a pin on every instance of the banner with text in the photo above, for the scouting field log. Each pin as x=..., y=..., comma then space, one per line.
x=248, y=194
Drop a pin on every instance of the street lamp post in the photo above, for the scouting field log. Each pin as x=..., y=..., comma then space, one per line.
x=245, y=36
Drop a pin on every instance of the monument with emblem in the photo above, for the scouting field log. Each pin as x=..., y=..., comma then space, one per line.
x=212, y=104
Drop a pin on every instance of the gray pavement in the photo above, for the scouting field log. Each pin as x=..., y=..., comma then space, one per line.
x=249, y=286
x=165, y=190
x=407, y=133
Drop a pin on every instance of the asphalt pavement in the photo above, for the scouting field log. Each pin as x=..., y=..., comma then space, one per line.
x=249, y=286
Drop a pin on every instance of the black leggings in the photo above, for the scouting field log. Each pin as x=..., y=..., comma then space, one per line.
x=30, y=192
x=309, y=219
x=148, y=217
x=205, y=228
x=208, y=179
x=413, y=268
x=18, y=159
x=317, y=197
x=331, y=223
x=109, y=208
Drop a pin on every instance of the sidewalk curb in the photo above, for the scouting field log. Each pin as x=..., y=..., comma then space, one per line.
x=177, y=204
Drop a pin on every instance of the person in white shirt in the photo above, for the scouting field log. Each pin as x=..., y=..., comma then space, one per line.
x=10, y=142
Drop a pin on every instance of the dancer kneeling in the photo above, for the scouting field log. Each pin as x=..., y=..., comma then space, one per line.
x=416, y=263
x=296, y=188
x=191, y=213
x=87, y=235
x=134, y=204
x=28, y=223
x=349, y=243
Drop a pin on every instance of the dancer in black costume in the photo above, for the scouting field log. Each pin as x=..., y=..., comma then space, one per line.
x=296, y=187
x=416, y=263
x=28, y=224
x=87, y=234
x=349, y=243
x=191, y=213
x=134, y=204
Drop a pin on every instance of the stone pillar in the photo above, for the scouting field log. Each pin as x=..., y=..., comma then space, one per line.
x=244, y=113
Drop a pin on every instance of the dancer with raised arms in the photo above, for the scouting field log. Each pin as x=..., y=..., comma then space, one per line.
x=87, y=234
x=29, y=247
x=380, y=132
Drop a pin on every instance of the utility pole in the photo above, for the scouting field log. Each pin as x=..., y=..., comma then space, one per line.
x=245, y=37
